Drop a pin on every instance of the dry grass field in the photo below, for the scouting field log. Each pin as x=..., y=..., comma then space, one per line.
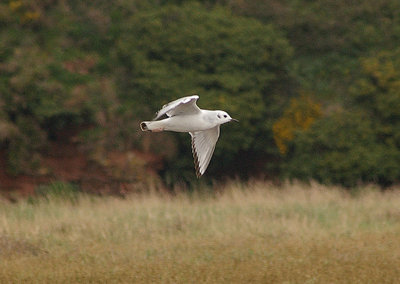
x=253, y=233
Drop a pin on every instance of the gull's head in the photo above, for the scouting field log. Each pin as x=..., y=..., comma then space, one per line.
x=224, y=117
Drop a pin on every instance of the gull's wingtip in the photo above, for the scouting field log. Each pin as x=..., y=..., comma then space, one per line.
x=195, y=158
x=198, y=174
x=189, y=98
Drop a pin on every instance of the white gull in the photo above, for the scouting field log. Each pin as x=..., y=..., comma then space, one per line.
x=183, y=115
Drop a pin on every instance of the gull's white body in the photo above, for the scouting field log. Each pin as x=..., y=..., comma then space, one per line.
x=183, y=115
x=185, y=122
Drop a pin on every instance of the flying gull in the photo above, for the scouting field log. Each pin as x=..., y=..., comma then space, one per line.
x=183, y=115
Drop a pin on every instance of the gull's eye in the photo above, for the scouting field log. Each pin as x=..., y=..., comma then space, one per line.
x=225, y=116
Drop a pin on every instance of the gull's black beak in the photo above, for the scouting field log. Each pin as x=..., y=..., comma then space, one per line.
x=234, y=119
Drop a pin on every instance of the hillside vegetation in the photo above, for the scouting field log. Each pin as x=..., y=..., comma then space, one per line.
x=315, y=85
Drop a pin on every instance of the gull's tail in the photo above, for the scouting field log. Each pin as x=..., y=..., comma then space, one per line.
x=153, y=126
x=144, y=125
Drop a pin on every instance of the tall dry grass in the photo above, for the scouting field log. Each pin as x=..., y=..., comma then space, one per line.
x=255, y=233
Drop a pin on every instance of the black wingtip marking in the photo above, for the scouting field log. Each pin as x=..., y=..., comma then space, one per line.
x=196, y=160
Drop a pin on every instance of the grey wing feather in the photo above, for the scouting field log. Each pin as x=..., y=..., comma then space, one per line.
x=185, y=105
x=203, y=145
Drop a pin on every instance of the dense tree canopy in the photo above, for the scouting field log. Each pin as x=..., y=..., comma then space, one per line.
x=315, y=84
x=362, y=142
x=234, y=63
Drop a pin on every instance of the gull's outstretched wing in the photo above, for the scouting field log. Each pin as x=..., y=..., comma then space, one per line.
x=203, y=145
x=186, y=105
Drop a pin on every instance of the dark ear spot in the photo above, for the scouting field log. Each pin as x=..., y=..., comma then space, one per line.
x=218, y=116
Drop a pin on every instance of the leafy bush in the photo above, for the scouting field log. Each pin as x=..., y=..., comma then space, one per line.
x=300, y=115
x=361, y=144
x=51, y=81
x=328, y=36
x=334, y=150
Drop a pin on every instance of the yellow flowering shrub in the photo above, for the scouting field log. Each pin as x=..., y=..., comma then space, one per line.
x=300, y=115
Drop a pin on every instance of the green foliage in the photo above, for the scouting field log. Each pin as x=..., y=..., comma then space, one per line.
x=333, y=150
x=97, y=68
x=52, y=79
x=232, y=62
x=300, y=115
x=378, y=90
x=36, y=103
x=60, y=191
x=358, y=146
x=328, y=37
x=109, y=66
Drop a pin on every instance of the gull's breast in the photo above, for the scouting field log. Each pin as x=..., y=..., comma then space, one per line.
x=187, y=123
